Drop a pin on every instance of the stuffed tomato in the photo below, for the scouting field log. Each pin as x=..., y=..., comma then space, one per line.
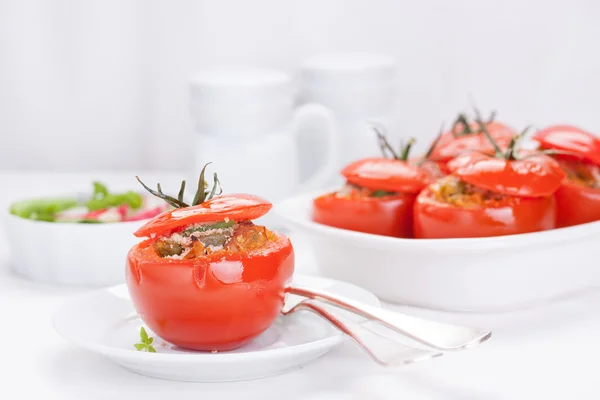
x=578, y=152
x=378, y=196
x=485, y=196
x=208, y=278
x=363, y=210
x=453, y=208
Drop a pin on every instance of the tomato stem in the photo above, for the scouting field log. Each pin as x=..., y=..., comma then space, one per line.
x=434, y=144
x=171, y=200
x=384, y=145
x=216, y=183
x=498, y=152
x=464, y=121
x=405, y=150
x=181, y=191
x=202, y=194
x=510, y=152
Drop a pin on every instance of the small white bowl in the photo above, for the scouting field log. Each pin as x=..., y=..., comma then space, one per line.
x=479, y=274
x=70, y=253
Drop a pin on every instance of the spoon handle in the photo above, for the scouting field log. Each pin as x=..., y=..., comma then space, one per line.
x=437, y=335
x=383, y=350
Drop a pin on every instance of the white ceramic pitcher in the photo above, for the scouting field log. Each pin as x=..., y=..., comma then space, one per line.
x=360, y=89
x=246, y=125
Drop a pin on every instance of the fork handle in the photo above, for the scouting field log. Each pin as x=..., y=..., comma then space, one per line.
x=437, y=335
x=384, y=351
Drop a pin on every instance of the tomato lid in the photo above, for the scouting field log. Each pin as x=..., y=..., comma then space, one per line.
x=235, y=207
x=451, y=144
x=584, y=145
x=386, y=174
x=529, y=176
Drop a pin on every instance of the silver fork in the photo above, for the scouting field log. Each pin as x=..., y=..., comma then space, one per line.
x=432, y=334
x=383, y=350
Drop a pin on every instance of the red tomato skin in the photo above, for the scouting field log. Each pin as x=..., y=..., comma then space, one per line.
x=584, y=145
x=236, y=207
x=537, y=176
x=388, y=216
x=385, y=174
x=577, y=204
x=436, y=220
x=219, y=302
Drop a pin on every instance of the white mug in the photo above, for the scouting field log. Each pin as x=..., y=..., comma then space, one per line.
x=360, y=90
x=247, y=126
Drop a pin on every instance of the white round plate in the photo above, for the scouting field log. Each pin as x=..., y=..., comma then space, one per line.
x=105, y=322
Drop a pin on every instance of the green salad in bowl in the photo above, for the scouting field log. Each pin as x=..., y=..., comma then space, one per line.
x=102, y=206
x=80, y=239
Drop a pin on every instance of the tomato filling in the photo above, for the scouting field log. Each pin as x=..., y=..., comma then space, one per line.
x=198, y=240
x=582, y=173
x=452, y=190
x=352, y=191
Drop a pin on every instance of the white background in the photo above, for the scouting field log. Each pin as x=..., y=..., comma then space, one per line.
x=103, y=84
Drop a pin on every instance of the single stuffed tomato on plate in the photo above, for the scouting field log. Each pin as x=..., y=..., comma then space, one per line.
x=378, y=195
x=207, y=278
x=578, y=152
x=490, y=195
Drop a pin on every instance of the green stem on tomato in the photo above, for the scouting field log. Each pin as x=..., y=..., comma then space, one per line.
x=176, y=203
x=216, y=182
x=202, y=194
x=171, y=200
x=384, y=145
x=510, y=152
x=201, y=191
x=490, y=119
x=464, y=121
x=498, y=152
x=181, y=192
x=434, y=144
x=405, y=150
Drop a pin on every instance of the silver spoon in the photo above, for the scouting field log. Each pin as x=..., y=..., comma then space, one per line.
x=383, y=350
x=437, y=335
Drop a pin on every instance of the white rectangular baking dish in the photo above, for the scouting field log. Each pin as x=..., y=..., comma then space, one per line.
x=473, y=275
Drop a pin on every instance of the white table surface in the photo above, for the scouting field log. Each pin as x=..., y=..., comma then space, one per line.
x=548, y=352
